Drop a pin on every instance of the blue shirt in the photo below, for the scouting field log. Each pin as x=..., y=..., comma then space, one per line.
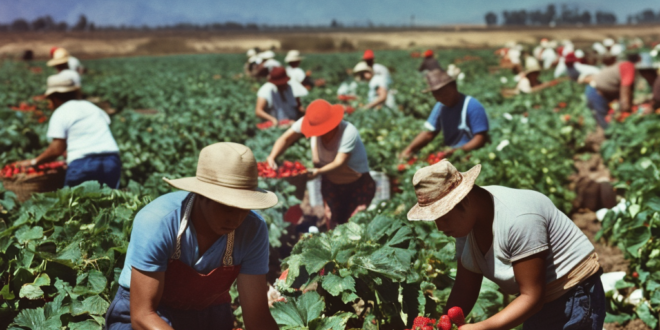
x=153, y=241
x=448, y=120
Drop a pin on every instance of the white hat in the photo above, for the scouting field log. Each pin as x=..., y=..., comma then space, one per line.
x=60, y=56
x=62, y=82
x=609, y=42
x=544, y=42
x=532, y=64
x=267, y=55
x=567, y=50
x=362, y=66
x=579, y=53
x=251, y=52
x=617, y=50
x=293, y=56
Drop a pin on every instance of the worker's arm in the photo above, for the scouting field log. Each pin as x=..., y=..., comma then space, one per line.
x=280, y=146
x=420, y=141
x=253, y=295
x=382, y=97
x=625, y=98
x=260, y=111
x=56, y=148
x=146, y=291
x=340, y=160
x=478, y=141
x=299, y=105
x=465, y=291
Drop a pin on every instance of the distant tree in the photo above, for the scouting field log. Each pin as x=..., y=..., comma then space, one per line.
x=334, y=23
x=20, y=25
x=43, y=23
x=646, y=16
x=62, y=26
x=585, y=18
x=605, y=18
x=81, y=25
x=491, y=18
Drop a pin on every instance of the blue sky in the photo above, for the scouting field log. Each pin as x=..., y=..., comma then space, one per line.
x=313, y=12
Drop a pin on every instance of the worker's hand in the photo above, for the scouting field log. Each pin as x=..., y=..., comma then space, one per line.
x=24, y=163
x=272, y=163
x=275, y=122
x=312, y=174
x=405, y=154
x=449, y=152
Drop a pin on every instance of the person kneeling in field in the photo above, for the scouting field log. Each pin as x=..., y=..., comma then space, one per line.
x=187, y=248
x=519, y=240
x=379, y=87
x=461, y=118
x=279, y=98
x=338, y=155
x=82, y=130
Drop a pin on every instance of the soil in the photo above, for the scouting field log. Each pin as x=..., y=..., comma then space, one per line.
x=632, y=325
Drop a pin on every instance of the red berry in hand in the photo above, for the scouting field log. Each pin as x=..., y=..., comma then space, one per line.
x=445, y=323
x=456, y=316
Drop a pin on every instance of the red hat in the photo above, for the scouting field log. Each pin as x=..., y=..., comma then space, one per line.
x=52, y=50
x=428, y=53
x=321, y=117
x=278, y=76
x=368, y=55
x=570, y=58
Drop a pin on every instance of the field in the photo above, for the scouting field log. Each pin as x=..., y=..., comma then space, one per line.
x=61, y=252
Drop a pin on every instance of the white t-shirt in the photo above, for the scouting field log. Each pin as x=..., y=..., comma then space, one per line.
x=74, y=63
x=526, y=223
x=381, y=70
x=276, y=106
x=271, y=64
x=347, y=141
x=296, y=74
x=548, y=56
x=585, y=70
x=73, y=74
x=377, y=82
x=524, y=85
x=85, y=128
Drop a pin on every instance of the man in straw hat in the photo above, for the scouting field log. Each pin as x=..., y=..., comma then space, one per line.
x=461, y=118
x=80, y=129
x=339, y=157
x=294, y=71
x=188, y=247
x=379, y=88
x=519, y=240
x=62, y=61
x=279, y=98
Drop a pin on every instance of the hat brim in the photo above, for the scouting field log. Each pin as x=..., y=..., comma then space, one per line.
x=442, y=206
x=280, y=81
x=435, y=88
x=57, y=61
x=52, y=90
x=310, y=130
x=293, y=59
x=257, y=199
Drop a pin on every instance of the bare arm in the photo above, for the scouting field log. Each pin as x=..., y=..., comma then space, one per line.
x=253, y=294
x=530, y=276
x=478, y=141
x=382, y=97
x=55, y=149
x=146, y=291
x=465, y=291
x=280, y=146
x=420, y=141
x=625, y=98
x=260, y=111
x=299, y=105
x=340, y=160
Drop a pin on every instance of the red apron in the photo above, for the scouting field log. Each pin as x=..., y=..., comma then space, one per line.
x=187, y=289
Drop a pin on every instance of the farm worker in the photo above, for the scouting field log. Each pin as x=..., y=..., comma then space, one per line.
x=461, y=118
x=279, y=98
x=614, y=82
x=268, y=60
x=646, y=68
x=80, y=129
x=577, y=71
x=60, y=59
x=339, y=157
x=429, y=62
x=549, y=56
x=609, y=51
x=538, y=50
x=530, y=78
x=188, y=247
x=74, y=63
x=378, y=69
x=519, y=240
x=294, y=71
x=379, y=91
x=252, y=64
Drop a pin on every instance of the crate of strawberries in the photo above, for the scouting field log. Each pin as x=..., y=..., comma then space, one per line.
x=24, y=181
x=293, y=172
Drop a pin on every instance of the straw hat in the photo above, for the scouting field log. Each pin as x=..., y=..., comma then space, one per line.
x=62, y=82
x=60, y=56
x=439, y=188
x=532, y=64
x=437, y=79
x=267, y=55
x=368, y=55
x=227, y=173
x=362, y=67
x=278, y=76
x=321, y=117
x=251, y=52
x=609, y=42
x=293, y=56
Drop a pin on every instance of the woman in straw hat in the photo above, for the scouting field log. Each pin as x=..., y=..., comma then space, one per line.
x=294, y=71
x=379, y=89
x=339, y=157
x=80, y=129
x=519, y=240
x=188, y=247
x=279, y=98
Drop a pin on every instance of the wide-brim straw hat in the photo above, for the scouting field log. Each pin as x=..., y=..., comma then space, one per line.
x=362, y=66
x=62, y=82
x=227, y=173
x=293, y=56
x=532, y=65
x=60, y=56
x=267, y=55
x=437, y=79
x=321, y=117
x=439, y=188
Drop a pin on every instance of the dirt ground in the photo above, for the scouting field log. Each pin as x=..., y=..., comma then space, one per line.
x=97, y=44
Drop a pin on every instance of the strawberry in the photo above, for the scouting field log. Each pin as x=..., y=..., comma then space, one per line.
x=401, y=167
x=444, y=323
x=420, y=322
x=635, y=275
x=456, y=315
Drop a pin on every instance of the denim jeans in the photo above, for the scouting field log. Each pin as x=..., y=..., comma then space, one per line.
x=598, y=105
x=104, y=168
x=582, y=308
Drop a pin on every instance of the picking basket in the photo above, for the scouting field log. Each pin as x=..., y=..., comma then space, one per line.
x=24, y=185
x=300, y=182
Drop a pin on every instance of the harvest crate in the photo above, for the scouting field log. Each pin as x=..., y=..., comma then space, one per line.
x=24, y=185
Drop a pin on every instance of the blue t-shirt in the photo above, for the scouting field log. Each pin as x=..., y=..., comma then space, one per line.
x=153, y=241
x=448, y=120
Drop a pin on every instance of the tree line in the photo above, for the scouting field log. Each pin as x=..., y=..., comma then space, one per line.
x=564, y=15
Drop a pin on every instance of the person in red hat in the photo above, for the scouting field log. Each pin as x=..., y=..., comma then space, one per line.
x=429, y=62
x=339, y=157
x=279, y=98
x=378, y=69
x=577, y=71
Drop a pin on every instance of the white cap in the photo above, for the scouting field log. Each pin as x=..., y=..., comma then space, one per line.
x=609, y=42
x=267, y=55
x=544, y=42
x=617, y=50
x=532, y=64
x=293, y=56
x=62, y=82
x=579, y=53
x=251, y=52
x=568, y=49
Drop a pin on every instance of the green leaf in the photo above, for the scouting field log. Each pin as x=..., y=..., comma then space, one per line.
x=90, y=283
x=310, y=306
x=35, y=319
x=94, y=305
x=333, y=322
x=25, y=234
x=286, y=314
x=6, y=293
x=85, y=325
x=335, y=285
x=33, y=291
x=654, y=203
x=617, y=318
x=317, y=254
x=349, y=297
x=635, y=238
x=646, y=315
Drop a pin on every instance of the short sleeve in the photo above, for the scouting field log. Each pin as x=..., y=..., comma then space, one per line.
x=460, y=246
x=528, y=235
x=297, y=88
x=380, y=81
x=432, y=124
x=255, y=261
x=627, y=70
x=58, y=126
x=152, y=240
x=524, y=85
x=266, y=92
x=297, y=126
x=477, y=118
x=348, y=139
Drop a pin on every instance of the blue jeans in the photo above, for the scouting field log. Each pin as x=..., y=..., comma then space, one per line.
x=104, y=168
x=582, y=308
x=598, y=104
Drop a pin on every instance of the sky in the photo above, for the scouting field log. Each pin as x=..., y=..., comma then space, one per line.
x=286, y=12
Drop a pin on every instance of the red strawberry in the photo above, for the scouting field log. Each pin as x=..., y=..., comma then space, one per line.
x=420, y=322
x=444, y=323
x=401, y=167
x=635, y=275
x=456, y=315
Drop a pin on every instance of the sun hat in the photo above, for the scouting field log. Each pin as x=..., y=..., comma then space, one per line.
x=579, y=53
x=439, y=188
x=227, y=173
x=532, y=65
x=368, y=55
x=428, y=53
x=362, y=66
x=251, y=52
x=437, y=79
x=544, y=42
x=267, y=55
x=62, y=82
x=278, y=76
x=321, y=117
x=293, y=56
x=60, y=56
x=52, y=50
x=609, y=42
